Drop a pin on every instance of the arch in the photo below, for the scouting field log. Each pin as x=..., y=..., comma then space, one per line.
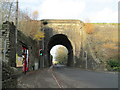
x=61, y=39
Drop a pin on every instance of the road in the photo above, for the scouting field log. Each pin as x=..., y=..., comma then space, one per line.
x=68, y=78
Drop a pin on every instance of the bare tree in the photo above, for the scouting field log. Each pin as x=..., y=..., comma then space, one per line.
x=7, y=10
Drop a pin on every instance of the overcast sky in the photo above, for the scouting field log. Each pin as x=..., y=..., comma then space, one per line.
x=86, y=10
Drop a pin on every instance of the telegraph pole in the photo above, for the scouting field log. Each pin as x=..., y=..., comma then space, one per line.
x=16, y=24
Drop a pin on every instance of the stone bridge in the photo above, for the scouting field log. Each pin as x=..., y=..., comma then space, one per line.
x=69, y=33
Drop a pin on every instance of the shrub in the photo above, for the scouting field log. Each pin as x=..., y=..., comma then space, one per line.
x=113, y=65
x=116, y=68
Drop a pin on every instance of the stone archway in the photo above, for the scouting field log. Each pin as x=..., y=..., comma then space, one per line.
x=60, y=39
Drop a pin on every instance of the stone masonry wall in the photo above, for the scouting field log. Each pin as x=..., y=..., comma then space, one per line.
x=8, y=53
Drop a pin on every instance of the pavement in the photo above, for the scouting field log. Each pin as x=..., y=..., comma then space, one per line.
x=64, y=77
x=37, y=79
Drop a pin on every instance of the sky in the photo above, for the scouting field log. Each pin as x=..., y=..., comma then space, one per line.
x=94, y=11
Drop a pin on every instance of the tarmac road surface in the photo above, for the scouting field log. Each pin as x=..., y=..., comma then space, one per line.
x=68, y=78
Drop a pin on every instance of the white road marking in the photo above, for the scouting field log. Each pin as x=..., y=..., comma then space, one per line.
x=50, y=69
x=56, y=80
